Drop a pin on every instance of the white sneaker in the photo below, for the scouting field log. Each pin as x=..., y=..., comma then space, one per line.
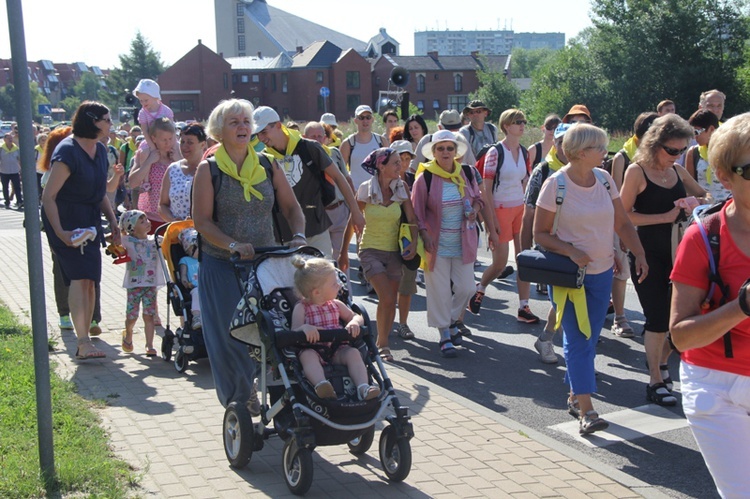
x=546, y=351
x=197, y=323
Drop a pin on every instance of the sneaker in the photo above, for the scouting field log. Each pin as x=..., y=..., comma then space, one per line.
x=508, y=270
x=525, y=315
x=476, y=302
x=65, y=322
x=465, y=331
x=546, y=351
x=197, y=323
x=94, y=329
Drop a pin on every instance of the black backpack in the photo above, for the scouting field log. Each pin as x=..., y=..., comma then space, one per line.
x=696, y=158
x=327, y=189
x=607, y=163
x=538, y=156
x=500, y=158
x=466, y=169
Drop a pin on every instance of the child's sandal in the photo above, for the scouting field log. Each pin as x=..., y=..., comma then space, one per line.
x=368, y=392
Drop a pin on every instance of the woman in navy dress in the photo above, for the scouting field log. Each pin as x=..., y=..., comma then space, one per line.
x=75, y=197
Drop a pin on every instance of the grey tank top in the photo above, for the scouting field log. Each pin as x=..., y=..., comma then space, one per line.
x=246, y=222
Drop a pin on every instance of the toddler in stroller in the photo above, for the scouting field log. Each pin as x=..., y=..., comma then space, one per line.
x=316, y=280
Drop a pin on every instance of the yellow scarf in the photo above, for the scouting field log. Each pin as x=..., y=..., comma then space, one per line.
x=251, y=171
x=454, y=177
x=578, y=297
x=630, y=147
x=291, y=144
x=131, y=144
x=551, y=159
x=703, y=151
x=336, y=141
x=12, y=148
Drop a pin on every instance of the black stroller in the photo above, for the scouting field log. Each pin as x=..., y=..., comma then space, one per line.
x=190, y=344
x=299, y=416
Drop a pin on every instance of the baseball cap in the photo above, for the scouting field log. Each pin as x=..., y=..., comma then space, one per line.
x=148, y=87
x=264, y=116
x=450, y=119
x=329, y=119
x=561, y=129
x=362, y=109
x=402, y=146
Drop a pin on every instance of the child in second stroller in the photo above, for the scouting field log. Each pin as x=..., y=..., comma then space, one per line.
x=189, y=271
x=316, y=280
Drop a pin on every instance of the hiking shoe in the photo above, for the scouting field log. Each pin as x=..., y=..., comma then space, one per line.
x=546, y=351
x=476, y=302
x=65, y=322
x=508, y=270
x=94, y=329
x=465, y=331
x=525, y=315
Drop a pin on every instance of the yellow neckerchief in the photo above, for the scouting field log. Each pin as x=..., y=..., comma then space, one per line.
x=703, y=151
x=454, y=177
x=117, y=143
x=291, y=144
x=577, y=296
x=336, y=141
x=630, y=147
x=13, y=147
x=326, y=149
x=38, y=148
x=552, y=160
x=131, y=144
x=251, y=171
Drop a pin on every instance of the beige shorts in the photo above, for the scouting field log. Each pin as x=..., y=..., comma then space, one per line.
x=376, y=262
x=408, y=284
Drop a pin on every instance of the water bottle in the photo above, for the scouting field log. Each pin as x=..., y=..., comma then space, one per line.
x=468, y=210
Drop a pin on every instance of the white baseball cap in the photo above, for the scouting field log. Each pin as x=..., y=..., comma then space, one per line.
x=362, y=109
x=264, y=116
x=148, y=87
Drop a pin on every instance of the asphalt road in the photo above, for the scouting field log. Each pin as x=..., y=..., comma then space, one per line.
x=499, y=368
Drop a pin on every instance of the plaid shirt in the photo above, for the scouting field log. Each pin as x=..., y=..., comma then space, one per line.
x=325, y=316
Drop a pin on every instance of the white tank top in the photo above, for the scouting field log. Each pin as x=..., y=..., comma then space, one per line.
x=358, y=154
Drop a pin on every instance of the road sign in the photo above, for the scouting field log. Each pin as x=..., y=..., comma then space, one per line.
x=45, y=108
x=325, y=91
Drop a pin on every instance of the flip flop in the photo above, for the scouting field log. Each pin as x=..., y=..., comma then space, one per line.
x=86, y=350
x=127, y=346
x=151, y=352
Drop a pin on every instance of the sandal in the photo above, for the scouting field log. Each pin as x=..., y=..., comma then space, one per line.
x=385, y=354
x=151, y=352
x=447, y=349
x=664, y=368
x=455, y=335
x=127, y=346
x=573, y=408
x=404, y=331
x=465, y=331
x=591, y=422
x=622, y=329
x=660, y=395
x=86, y=350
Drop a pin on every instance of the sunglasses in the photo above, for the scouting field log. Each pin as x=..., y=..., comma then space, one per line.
x=365, y=117
x=520, y=122
x=674, y=152
x=445, y=148
x=552, y=125
x=742, y=171
x=699, y=131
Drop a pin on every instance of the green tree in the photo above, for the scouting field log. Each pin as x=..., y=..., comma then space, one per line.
x=141, y=62
x=524, y=62
x=8, y=101
x=496, y=91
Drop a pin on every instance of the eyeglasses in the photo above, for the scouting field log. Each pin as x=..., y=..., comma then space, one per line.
x=742, y=171
x=445, y=148
x=365, y=117
x=699, y=131
x=672, y=151
x=520, y=122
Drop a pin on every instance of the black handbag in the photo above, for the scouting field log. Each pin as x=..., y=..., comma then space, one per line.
x=545, y=267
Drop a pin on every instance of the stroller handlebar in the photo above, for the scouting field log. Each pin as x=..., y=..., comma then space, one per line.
x=292, y=338
x=235, y=256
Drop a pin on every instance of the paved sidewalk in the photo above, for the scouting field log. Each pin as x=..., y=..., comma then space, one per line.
x=168, y=425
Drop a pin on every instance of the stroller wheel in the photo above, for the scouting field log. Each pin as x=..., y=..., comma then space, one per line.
x=298, y=467
x=238, y=435
x=180, y=361
x=362, y=443
x=395, y=455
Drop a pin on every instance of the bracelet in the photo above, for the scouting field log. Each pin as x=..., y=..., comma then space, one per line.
x=743, y=298
x=299, y=235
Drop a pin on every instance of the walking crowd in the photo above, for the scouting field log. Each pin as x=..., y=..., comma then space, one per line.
x=417, y=203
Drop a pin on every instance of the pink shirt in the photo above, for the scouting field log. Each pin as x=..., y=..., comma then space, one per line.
x=146, y=118
x=587, y=218
x=148, y=200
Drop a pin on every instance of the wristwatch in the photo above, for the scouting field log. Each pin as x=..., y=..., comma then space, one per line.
x=233, y=245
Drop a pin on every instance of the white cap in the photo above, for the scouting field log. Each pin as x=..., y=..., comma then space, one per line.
x=402, y=146
x=148, y=87
x=362, y=109
x=329, y=119
x=264, y=116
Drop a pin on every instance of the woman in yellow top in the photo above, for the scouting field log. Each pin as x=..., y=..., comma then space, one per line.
x=381, y=199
